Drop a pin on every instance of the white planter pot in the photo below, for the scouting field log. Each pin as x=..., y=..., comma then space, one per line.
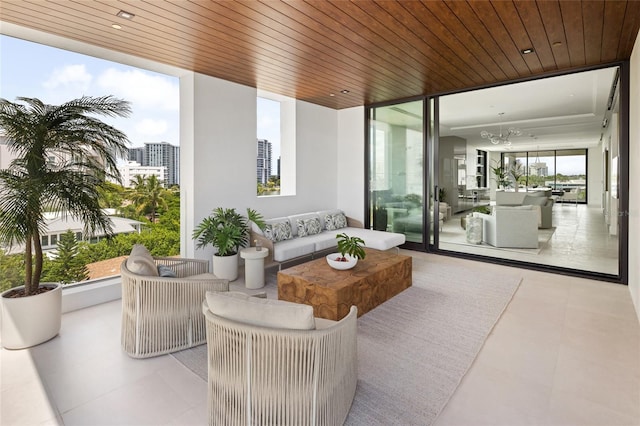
x=29, y=321
x=341, y=265
x=226, y=267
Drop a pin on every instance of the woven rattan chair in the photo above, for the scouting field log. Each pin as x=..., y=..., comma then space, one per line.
x=162, y=315
x=269, y=376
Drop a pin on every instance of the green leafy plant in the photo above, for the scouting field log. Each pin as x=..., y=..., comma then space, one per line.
x=442, y=194
x=516, y=171
x=85, y=150
x=353, y=246
x=482, y=209
x=500, y=175
x=226, y=230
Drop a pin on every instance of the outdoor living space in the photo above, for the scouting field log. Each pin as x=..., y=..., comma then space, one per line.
x=564, y=351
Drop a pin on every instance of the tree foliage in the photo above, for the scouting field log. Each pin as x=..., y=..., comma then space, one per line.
x=67, y=267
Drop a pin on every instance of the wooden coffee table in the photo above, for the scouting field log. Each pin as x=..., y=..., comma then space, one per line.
x=375, y=279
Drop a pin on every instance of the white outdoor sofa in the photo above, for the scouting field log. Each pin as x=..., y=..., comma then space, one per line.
x=307, y=234
x=270, y=362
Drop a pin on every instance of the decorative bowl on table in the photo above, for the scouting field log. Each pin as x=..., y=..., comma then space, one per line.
x=335, y=261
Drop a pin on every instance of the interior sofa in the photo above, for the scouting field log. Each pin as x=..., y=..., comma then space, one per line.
x=510, y=226
x=541, y=199
x=307, y=234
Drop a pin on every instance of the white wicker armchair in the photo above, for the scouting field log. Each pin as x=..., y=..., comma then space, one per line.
x=273, y=376
x=162, y=314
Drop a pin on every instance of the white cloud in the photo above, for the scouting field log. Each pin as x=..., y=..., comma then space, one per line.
x=149, y=128
x=70, y=76
x=143, y=90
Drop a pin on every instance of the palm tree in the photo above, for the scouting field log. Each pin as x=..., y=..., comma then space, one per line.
x=148, y=194
x=63, y=154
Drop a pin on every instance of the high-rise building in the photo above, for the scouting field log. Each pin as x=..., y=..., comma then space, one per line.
x=263, y=166
x=132, y=169
x=538, y=169
x=137, y=155
x=159, y=154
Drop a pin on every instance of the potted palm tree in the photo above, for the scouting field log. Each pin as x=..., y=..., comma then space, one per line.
x=226, y=230
x=63, y=153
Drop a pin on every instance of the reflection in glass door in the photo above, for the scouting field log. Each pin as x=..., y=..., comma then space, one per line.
x=396, y=169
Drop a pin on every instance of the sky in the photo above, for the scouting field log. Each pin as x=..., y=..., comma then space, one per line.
x=56, y=76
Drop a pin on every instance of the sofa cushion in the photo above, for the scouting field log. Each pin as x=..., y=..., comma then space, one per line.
x=323, y=214
x=529, y=207
x=534, y=201
x=309, y=226
x=296, y=217
x=379, y=240
x=261, y=312
x=166, y=271
x=140, y=262
x=296, y=247
x=335, y=221
x=278, y=231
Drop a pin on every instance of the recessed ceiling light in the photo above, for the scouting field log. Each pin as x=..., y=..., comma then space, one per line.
x=125, y=15
x=557, y=43
x=527, y=51
x=344, y=92
x=331, y=94
x=116, y=26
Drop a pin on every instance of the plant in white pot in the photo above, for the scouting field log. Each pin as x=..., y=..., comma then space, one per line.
x=226, y=230
x=62, y=155
x=350, y=250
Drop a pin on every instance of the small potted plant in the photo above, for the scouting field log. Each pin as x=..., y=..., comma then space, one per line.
x=227, y=231
x=350, y=250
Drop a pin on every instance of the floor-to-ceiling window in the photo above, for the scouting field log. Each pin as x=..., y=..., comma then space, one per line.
x=396, y=169
x=557, y=139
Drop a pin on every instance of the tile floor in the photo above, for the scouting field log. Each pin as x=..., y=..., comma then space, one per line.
x=581, y=241
x=565, y=352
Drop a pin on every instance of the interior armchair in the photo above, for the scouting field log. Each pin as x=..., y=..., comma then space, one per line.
x=162, y=314
x=272, y=363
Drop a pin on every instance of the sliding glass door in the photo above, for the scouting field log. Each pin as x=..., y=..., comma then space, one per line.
x=396, y=170
x=437, y=164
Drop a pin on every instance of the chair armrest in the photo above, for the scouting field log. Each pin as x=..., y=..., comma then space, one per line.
x=354, y=223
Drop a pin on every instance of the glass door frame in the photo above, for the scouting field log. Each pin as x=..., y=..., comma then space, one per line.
x=430, y=242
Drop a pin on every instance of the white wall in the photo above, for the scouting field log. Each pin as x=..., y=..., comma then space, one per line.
x=594, y=176
x=218, y=155
x=350, y=161
x=634, y=178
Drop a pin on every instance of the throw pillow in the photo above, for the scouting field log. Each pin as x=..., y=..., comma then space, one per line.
x=278, y=231
x=335, y=221
x=308, y=226
x=166, y=271
x=140, y=262
x=261, y=312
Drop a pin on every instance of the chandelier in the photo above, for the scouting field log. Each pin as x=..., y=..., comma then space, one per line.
x=501, y=137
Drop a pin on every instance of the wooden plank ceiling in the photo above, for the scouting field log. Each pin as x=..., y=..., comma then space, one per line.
x=376, y=50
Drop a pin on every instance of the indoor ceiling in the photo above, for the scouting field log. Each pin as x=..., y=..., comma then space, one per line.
x=342, y=54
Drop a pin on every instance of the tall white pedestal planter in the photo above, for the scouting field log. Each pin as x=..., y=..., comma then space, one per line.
x=226, y=267
x=29, y=321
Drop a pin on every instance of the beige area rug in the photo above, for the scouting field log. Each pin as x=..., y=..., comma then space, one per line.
x=414, y=349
